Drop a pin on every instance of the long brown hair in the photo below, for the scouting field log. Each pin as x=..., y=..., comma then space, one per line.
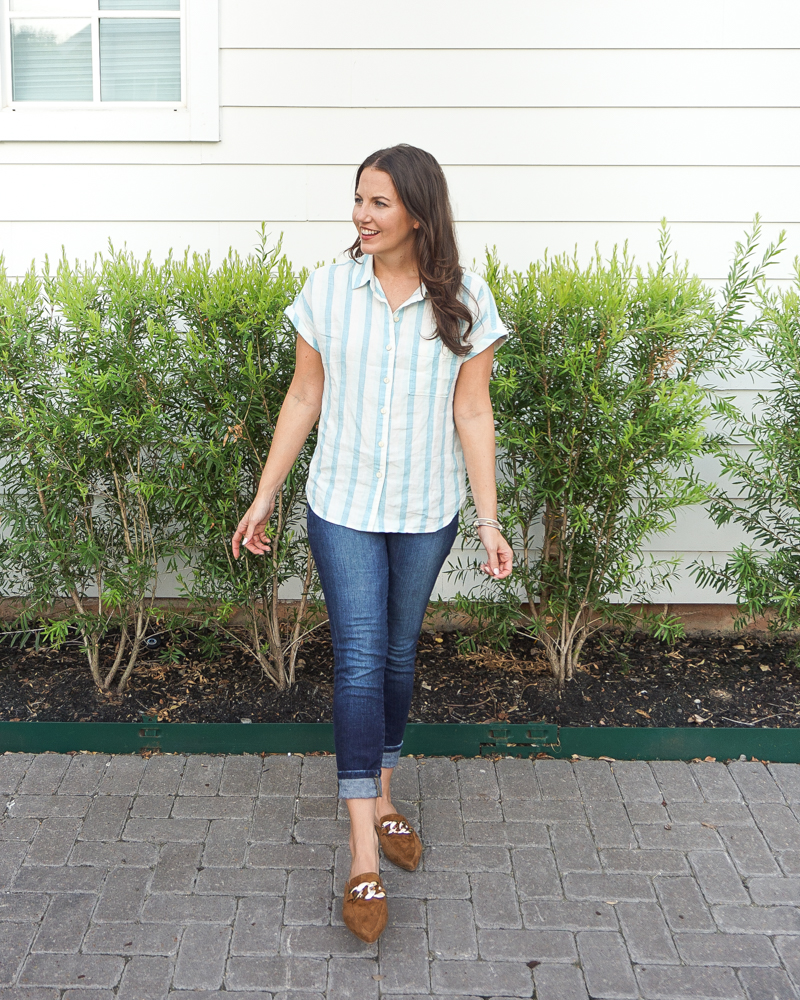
x=421, y=186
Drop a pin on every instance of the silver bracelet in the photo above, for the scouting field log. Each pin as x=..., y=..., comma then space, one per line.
x=486, y=522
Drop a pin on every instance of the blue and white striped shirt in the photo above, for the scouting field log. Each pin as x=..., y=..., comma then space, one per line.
x=388, y=457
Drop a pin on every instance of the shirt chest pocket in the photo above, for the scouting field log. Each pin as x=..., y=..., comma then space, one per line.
x=433, y=369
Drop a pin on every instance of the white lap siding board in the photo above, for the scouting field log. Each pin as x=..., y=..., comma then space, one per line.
x=558, y=124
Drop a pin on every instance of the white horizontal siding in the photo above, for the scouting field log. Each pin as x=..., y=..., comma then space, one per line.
x=517, y=77
x=509, y=24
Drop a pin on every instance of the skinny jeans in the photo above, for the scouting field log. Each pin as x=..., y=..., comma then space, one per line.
x=376, y=586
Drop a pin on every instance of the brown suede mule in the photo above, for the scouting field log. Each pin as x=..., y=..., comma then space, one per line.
x=399, y=841
x=364, y=909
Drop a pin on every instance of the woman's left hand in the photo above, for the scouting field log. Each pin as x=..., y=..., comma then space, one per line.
x=500, y=554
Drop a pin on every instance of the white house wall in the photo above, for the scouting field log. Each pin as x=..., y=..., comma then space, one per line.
x=559, y=124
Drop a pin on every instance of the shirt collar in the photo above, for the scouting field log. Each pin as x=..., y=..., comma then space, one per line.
x=363, y=272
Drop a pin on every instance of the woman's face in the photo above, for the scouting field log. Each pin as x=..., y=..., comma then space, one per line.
x=381, y=219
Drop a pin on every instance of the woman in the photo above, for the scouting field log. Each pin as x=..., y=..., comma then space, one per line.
x=394, y=357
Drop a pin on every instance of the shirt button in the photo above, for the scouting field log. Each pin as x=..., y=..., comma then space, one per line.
x=386, y=380
x=378, y=475
x=397, y=317
x=388, y=347
x=381, y=444
x=383, y=409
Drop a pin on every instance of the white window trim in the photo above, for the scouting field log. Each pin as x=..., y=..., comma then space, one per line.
x=195, y=119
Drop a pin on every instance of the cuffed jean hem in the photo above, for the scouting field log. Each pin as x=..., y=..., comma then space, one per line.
x=391, y=755
x=360, y=788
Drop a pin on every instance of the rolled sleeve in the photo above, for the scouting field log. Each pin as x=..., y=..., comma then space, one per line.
x=301, y=315
x=488, y=329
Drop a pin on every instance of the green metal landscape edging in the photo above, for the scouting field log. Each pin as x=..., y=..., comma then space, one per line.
x=435, y=740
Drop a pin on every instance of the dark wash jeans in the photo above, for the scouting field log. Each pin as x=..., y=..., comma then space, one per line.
x=377, y=586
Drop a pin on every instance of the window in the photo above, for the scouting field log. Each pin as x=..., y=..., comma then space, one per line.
x=109, y=69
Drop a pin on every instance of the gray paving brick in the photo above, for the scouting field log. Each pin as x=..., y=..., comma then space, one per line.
x=32, y=993
x=321, y=831
x=146, y=977
x=326, y=941
x=535, y=873
x=494, y=900
x=676, y=782
x=481, y=810
x=547, y=811
x=749, y=851
x=42, y=878
x=53, y=842
x=84, y=971
x=485, y=979
x=241, y=776
x=22, y=907
x=226, y=844
x=466, y=859
x=257, y=927
x=318, y=776
x=280, y=776
x=290, y=856
x=249, y=995
x=241, y=881
x=675, y=982
x=438, y=779
x=308, y=897
x=757, y=919
x=16, y=941
x=177, y=867
x=123, y=895
x=636, y=781
x=559, y=982
x=105, y=817
x=477, y=779
x=273, y=820
x=153, y=806
x=569, y=915
x=317, y=807
x=426, y=885
x=213, y=807
x=13, y=767
x=646, y=933
x=169, y=909
x=716, y=783
x=44, y=774
x=442, y=822
x=596, y=780
x=773, y=890
x=557, y=780
x=790, y=956
x=451, y=929
x=166, y=831
x=606, y=965
x=726, y=949
x=755, y=782
x=352, y=979
x=718, y=878
x=132, y=939
x=12, y=854
x=790, y=862
x=42, y=806
x=162, y=776
x=610, y=825
x=109, y=855
x=678, y=837
x=84, y=774
x=683, y=904
x=507, y=834
x=18, y=829
x=574, y=848
x=778, y=824
x=603, y=887
x=517, y=779
x=122, y=775
x=201, y=958
x=716, y=813
x=529, y=944
x=405, y=780
x=89, y=995
x=650, y=862
x=767, y=984
x=276, y=972
x=65, y=923
x=787, y=777
x=201, y=775
x=646, y=812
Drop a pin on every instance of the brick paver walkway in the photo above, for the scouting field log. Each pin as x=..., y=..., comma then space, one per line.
x=563, y=881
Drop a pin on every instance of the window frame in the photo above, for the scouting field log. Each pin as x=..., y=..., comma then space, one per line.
x=193, y=119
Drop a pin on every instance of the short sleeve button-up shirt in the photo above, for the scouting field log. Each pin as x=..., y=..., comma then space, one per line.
x=388, y=456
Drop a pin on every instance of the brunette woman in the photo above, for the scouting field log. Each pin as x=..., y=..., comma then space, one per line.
x=394, y=357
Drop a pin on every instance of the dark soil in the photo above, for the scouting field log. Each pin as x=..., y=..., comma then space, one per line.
x=746, y=679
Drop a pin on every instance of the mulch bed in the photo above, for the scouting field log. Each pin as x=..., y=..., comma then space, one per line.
x=729, y=680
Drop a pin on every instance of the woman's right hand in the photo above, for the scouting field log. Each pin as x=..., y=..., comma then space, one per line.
x=251, y=531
